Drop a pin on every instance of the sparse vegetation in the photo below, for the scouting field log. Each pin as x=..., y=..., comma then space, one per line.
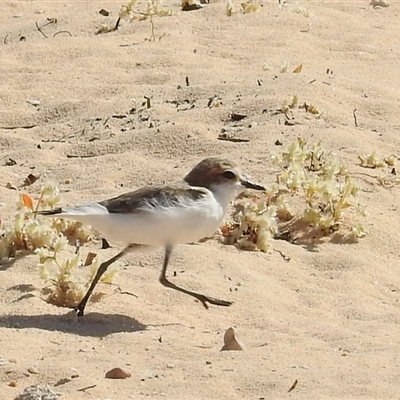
x=373, y=161
x=294, y=103
x=386, y=164
x=65, y=289
x=294, y=7
x=49, y=238
x=230, y=9
x=251, y=6
x=137, y=11
x=314, y=196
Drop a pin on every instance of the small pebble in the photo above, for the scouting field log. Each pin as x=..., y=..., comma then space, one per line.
x=104, y=12
x=230, y=341
x=33, y=102
x=118, y=373
x=12, y=384
x=33, y=370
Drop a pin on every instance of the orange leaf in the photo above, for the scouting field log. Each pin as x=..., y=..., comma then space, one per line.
x=27, y=201
x=298, y=69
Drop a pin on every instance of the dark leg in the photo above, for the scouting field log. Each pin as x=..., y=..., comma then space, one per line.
x=201, y=297
x=80, y=308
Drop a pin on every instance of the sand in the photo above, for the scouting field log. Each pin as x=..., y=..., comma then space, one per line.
x=328, y=318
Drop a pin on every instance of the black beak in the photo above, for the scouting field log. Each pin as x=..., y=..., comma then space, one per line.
x=249, y=185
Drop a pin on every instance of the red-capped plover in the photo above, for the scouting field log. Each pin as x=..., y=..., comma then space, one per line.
x=164, y=215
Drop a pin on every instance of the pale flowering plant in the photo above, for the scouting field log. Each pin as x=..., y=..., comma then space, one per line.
x=26, y=232
x=313, y=195
x=254, y=225
x=324, y=185
x=50, y=195
x=136, y=10
x=51, y=240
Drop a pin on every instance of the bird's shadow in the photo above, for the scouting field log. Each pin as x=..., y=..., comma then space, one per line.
x=92, y=324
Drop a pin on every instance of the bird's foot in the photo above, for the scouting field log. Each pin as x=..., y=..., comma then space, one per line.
x=217, y=302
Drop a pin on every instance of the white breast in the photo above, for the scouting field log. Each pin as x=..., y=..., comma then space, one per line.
x=185, y=223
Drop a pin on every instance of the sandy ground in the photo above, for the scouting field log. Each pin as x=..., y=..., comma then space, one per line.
x=328, y=318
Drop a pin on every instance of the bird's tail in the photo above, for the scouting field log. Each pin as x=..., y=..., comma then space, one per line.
x=85, y=210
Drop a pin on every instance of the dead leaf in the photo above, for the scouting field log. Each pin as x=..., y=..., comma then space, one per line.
x=104, y=12
x=89, y=259
x=237, y=117
x=293, y=386
x=224, y=136
x=27, y=201
x=298, y=69
x=30, y=180
x=104, y=244
x=230, y=341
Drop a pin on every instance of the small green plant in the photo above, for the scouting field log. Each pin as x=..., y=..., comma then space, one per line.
x=137, y=11
x=294, y=103
x=373, y=161
x=254, y=226
x=288, y=105
x=27, y=233
x=388, y=177
x=49, y=238
x=65, y=290
x=251, y=6
x=323, y=181
x=294, y=7
x=230, y=9
x=313, y=194
x=248, y=7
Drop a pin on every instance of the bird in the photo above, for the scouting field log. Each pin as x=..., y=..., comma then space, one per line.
x=163, y=215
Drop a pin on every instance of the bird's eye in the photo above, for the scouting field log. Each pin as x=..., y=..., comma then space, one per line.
x=229, y=175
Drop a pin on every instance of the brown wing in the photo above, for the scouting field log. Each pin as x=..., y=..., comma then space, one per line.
x=149, y=197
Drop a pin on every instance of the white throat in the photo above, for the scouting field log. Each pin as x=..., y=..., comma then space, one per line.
x=225, y=194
